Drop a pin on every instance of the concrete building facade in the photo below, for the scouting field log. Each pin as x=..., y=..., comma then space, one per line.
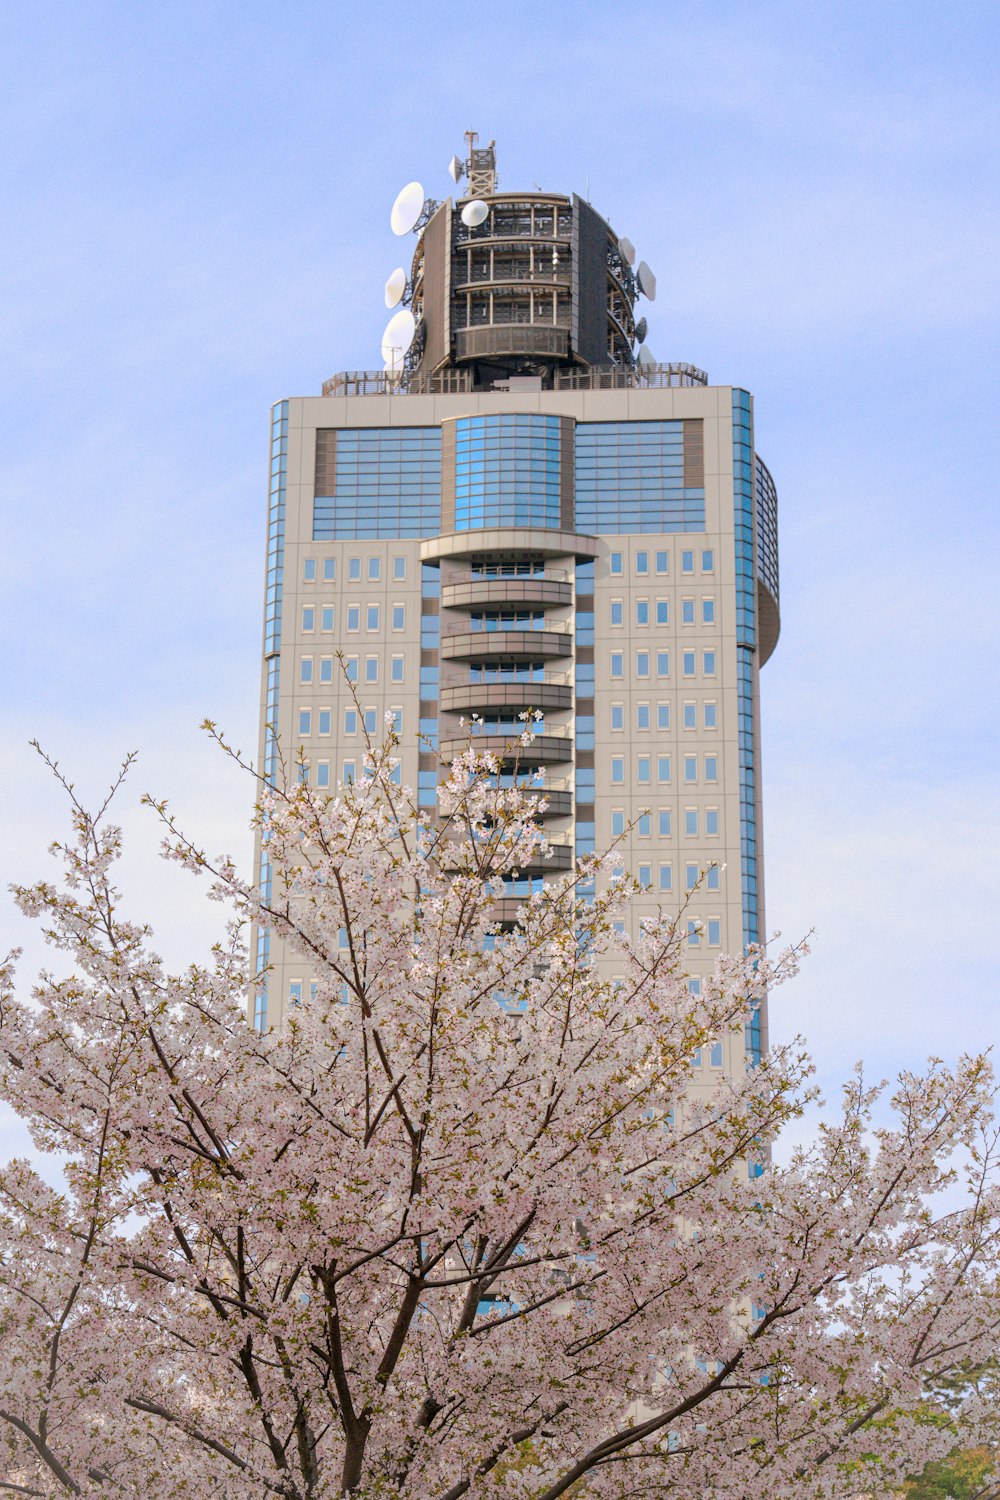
x=523, y=513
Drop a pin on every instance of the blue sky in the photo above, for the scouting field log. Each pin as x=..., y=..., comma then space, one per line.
x=195, y=202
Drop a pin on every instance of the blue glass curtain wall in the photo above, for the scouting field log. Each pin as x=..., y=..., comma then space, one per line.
x=746, y=640
x=507, y=471
x=630, y=477
x=387, y=483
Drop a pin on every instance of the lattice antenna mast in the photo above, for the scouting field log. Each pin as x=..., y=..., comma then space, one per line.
x=481, y=166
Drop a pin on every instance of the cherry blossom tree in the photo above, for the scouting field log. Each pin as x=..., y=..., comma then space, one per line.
x=462, y=1227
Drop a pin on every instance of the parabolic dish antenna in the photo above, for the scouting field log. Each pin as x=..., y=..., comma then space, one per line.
x=646, y=355
x=408, y=207
x=628, y=250
x=395, y=287
x=393, y=372
x=641, y=329
x=646, y=280
x=475, y=213
x=457, y=169
x=398, y=337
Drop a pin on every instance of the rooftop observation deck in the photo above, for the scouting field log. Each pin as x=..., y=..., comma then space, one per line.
x=458, y=380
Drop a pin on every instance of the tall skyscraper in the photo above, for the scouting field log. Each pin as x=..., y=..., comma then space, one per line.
x=525, y=510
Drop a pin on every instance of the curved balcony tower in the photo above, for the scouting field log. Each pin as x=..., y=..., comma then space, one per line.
x=539, y=283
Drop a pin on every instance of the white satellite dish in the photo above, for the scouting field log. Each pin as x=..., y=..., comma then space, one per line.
x=641, y=330
x=475, y=213
x=457, y=169
x=393, y=372
x=395, y=287
x=628, y=250
x=408, y=207
x=647, y=281
x=398, y=337
x=646, y=355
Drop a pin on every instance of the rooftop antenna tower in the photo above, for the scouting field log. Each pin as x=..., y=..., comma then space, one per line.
x=481, y=166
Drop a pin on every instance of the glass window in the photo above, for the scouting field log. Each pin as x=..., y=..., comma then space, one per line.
x=374, y=569
x=693, y=934
x=371, y=669
x=646, y=876
x=305, y=721
x=618, y=770
x=645, y=825
x=584, y=782
x=690, y=877
x=712, y=878
x=371, y=720
x=690, y=768
x=397, y=720
x=687, y=562
x=617, y=664
x=326, y=618
x=643, y=769
x=687, y=663
x=351, y=668
x=711, y=768
x=326, y=669
x=399, y=568
x=396, y=669
x=372, y=620
x=427, y=730
x=714, y=940
x=708, y=611
x=350, y=721
x=399, y=617
x=309, y=570
x=663, y=768
x=308, y=617
x=642, y=611
x=708, y=562
x=687, y=611
x=664, y=823
x=615, y=563
x=354, y=569
x=690, y=716
x=322, y=773
x=428, y=682
x=426, y=788
x=354, y=617
x=709, y=716
x=350, y=768
x=306, y=669
x=585, y=627
x=430, y=632
x=585, y=577
x=642, y=716
x=617, y=716
x=303, y=774
x=642, y=563
x=708, y=663
x=430, y=582
x=666, y=877
x=663, y=612
x=617, y=824
x=617, y=612
x=663, y=663
x=295, y=992
x=329, y=569
x=663, y=562
x=584, y=731
x=711, y=821
x=325, y=717
x=663, y=716
x=642, y=663
x=691, y=822
x=584, y=676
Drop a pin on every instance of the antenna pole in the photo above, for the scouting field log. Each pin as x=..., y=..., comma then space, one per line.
x=481, y=166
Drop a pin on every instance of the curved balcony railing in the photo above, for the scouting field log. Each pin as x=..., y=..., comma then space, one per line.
x=487, y=645
x=469, y=697
x=545, y=749
x=465, y=592
x=511, y=338
x=555, y=857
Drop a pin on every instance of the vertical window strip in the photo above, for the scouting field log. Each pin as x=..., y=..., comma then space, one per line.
x=272, y=655
x=746, y=639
